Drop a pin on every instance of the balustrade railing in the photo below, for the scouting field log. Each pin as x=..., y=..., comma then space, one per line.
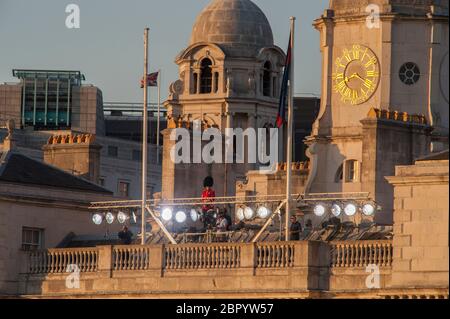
x=211, y=256
x=63, y=260
x=275, y=255
x=361, y=253
x=131, y=257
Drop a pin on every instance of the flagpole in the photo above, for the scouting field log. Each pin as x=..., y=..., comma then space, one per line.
x=144, y=139
x=289, y=132
x=159, y=116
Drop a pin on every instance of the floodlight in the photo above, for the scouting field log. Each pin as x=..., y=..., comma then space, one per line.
x=263, y=212
x=180, y=217
x=336, y=210
x=109, y=218
x=368, y=209
x=249, y=213
x=350, y=209
x=97, y=219
x=240, y=214
x=133, y=217
x=167, y=214
x=122, y=217
x=320, y=210
x=194, y=215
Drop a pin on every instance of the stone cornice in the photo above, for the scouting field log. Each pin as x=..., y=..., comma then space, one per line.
x=418, y=180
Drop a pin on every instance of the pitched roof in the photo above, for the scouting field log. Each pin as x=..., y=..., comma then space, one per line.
x=20, y=169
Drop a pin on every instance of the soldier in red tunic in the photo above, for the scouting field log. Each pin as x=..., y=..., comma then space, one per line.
x=208, y=196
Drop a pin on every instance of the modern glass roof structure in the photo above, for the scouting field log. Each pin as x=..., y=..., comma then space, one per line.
x=75, y=76
x=47, y=97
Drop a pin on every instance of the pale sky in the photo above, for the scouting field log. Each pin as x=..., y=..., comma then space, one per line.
x=108, y=47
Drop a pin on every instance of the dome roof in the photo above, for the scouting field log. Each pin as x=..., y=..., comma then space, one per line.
x=239, y=27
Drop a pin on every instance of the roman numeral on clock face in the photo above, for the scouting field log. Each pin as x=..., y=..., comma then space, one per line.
x=372, y=61
x=372, y=73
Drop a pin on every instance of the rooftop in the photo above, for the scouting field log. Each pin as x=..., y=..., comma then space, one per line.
x=20, y=169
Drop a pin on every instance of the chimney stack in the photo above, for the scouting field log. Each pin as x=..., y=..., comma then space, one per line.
x=77, y=154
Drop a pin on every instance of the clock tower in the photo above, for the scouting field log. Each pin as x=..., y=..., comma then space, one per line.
x=384, y=93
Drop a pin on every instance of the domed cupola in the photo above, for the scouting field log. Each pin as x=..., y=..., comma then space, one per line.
x=238, y=27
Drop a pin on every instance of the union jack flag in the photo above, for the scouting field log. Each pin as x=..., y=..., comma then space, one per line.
x=152, y=80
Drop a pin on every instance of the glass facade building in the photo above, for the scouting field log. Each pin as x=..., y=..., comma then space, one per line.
x=47, y=97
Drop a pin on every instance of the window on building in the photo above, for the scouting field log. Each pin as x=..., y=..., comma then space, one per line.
x=351, y=171
x=102, y=181
x=137, y=155
x=274, y=87
x=194, y=86
x=206, y=77
x=124, y=189
x=113, y=151
x=216, y=82
x=267, y=74
x=32, y=238
x=339, y=174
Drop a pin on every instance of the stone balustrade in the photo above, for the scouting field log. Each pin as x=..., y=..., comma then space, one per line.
x=55, y=261
x=271, y=269
x=361, y=253
x=275, y=255
x=210, y=256
x=130, y=258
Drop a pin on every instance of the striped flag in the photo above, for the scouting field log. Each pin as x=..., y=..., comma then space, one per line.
x=152, y=80
x=281, y=117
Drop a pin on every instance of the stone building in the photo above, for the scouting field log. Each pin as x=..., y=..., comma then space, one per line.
x=229, y=77
x=383, y=110
x=48, y=103
x=396, y=64
x=40, y=205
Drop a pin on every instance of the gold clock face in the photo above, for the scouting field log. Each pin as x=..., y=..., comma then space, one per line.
x=356, y=74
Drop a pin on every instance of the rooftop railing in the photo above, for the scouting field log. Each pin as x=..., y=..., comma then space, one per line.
x=264, y=255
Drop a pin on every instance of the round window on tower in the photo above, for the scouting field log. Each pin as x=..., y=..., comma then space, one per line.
x=409, y=73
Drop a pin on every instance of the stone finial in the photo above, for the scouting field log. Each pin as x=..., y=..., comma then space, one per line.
x=8, y=143
x=71, y=139
x=373, y=113
x=171, y=124
x=180, y=122
x=405, y=117
x=296, y=166
x=10, y=125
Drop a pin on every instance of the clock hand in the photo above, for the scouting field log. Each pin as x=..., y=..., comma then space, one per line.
x=347, y=79
x=359, y=77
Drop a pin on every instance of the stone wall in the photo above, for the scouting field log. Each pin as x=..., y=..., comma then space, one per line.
x=421, y=224
x=390, y=139
x=220, y=270
x=56, y=212
x=87, y=110
x=10, y=103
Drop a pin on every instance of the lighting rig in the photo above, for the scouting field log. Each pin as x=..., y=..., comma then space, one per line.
x=246, y=209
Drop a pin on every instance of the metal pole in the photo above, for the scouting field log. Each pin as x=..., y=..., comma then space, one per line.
x=144, y=139
x=268, y=222
x=159, y=116
x=289, y=133
x=161, y=225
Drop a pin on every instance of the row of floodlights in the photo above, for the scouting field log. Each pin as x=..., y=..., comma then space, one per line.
x=248, y=213
x=110, y=217
x=242, y=213
x=349, y=209
x=180, y=216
